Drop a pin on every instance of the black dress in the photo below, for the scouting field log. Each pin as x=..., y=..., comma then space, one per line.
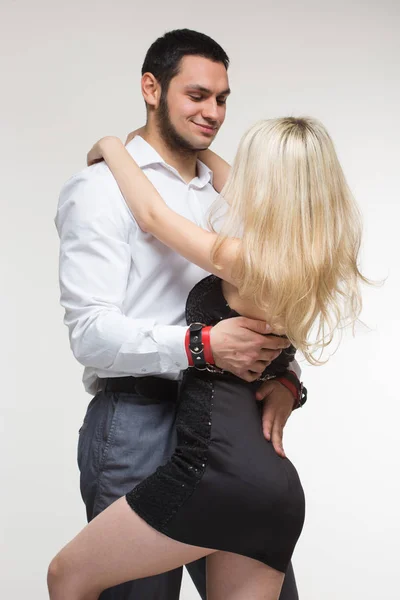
x=224, y=487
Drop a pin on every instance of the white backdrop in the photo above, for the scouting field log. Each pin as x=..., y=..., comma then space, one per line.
x=70, y=73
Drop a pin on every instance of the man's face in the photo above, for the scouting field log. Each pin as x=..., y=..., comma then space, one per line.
x=191, y=113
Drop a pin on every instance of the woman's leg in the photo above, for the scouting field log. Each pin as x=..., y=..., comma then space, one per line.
x=116, y=546
x=234, y=577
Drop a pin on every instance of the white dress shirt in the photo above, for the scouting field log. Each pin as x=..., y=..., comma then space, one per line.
x=123, y=291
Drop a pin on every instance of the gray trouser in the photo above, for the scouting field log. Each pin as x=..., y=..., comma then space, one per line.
x=123, y=439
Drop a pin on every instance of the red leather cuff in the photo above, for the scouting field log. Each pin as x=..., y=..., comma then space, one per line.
x=207, y=345
x=296, y=391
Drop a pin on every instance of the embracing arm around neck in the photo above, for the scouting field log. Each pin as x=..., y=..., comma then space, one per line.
x=153, y=215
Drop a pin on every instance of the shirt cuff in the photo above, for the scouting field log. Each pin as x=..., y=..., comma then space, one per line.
x=170, y=340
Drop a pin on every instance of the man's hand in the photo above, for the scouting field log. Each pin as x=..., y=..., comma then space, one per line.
x=243, y=346
x=278, y=404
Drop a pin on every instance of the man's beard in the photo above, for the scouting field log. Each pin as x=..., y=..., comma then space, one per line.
x=169, y=134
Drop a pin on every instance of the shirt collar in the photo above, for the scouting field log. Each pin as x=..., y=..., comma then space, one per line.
x=145, y=156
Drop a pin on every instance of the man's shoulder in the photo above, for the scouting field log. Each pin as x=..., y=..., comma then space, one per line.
x=94, y=185
x=93, y=196
x=95, y=177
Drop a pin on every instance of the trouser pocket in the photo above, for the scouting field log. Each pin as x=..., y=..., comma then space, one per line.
x=94, y=440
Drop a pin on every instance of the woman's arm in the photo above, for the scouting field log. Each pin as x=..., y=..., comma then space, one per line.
x=218, y=166
x=154, y=216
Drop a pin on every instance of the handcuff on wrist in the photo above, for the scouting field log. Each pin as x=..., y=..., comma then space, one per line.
x=290, y=380
x=200, y=357
x=198, y=348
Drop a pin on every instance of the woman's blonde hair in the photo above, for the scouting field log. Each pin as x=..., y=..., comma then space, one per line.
x=300, y=227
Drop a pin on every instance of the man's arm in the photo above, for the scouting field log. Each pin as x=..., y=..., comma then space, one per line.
x=95, y=259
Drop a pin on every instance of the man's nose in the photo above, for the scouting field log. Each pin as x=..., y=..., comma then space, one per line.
x=210, y=110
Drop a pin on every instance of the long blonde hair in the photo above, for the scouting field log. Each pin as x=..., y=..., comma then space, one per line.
x=300, y=227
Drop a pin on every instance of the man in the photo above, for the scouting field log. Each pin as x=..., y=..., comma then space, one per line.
x=124, y=294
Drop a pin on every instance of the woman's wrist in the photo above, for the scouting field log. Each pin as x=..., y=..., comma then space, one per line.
x=109, y=143
x=290, y=380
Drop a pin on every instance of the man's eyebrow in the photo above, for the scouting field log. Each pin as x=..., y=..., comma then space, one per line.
x=200, y=88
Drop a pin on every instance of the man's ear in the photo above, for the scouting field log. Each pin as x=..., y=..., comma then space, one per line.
x=151, y=90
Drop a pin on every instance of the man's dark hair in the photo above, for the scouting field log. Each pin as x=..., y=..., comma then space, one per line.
x=164, y=56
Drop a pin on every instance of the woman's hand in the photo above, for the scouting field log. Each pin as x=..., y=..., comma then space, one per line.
x=277, y=407
x=96, y=154
x=133, y=134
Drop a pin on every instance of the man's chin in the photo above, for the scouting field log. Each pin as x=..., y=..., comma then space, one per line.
x=201, y=144
x=197, y=146
x=202, y=147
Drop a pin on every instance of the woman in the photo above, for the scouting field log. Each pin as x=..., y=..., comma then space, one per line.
x=286, y=254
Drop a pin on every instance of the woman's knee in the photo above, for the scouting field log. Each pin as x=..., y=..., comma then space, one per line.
x=54, y=575
x=66, y=583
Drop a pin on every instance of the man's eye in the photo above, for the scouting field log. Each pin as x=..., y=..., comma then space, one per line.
x=221, y=101
x=196, y=98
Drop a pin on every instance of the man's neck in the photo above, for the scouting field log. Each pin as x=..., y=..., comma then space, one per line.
x=185, y=164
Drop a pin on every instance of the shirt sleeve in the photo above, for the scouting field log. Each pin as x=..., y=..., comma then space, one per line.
x=94, y=264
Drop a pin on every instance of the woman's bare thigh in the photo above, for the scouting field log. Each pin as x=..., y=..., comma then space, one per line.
x=115, y=547
x=235, y=577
